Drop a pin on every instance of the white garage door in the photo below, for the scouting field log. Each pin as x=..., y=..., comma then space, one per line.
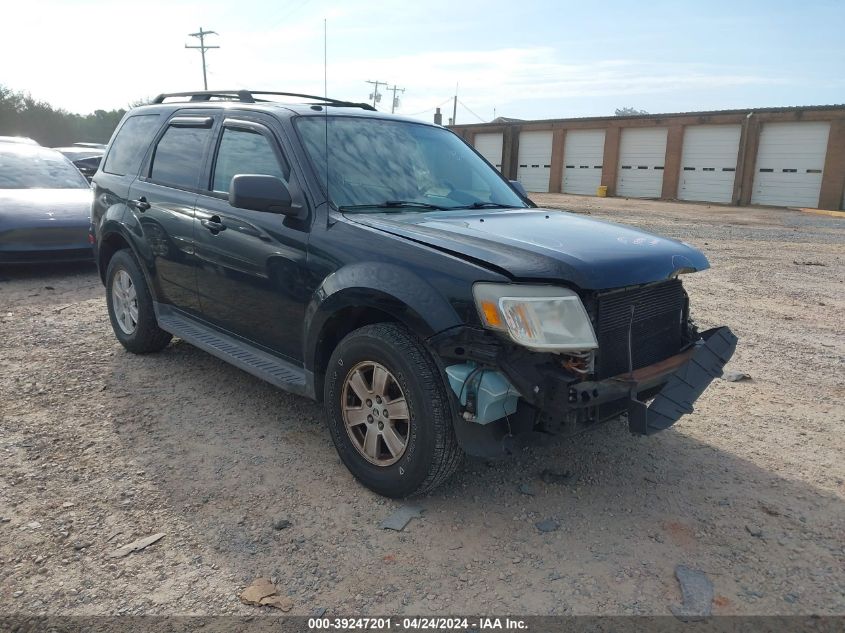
x=708, y=162
x=790, y=160
x=583, y=153
x=489, y=145
x=535, y=157
x=641, y=156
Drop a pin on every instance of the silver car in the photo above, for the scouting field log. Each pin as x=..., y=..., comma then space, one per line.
x=45, y=206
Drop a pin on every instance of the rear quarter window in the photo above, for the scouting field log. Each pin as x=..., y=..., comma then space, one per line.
x=130, y=144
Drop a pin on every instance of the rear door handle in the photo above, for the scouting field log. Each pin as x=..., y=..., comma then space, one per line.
x=141, y=204
x=213, y=224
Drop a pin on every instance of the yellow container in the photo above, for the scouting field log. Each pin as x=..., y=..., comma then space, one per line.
x=601, y=191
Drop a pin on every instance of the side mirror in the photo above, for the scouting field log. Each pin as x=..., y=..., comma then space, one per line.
x=261, y=193
x=519, y=188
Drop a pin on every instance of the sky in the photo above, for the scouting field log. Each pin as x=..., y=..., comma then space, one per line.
x=523, y=59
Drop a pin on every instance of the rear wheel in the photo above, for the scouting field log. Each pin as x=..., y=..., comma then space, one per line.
x=130, y=306
x=388, y=412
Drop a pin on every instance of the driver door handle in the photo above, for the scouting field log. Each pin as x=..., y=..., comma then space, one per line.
x=213, y=224
x=141, y=204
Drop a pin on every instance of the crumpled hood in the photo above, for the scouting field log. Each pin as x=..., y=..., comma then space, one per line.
x=546, y=244
x=28, y=207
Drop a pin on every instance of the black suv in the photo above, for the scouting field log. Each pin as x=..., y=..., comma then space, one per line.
x=381, y=265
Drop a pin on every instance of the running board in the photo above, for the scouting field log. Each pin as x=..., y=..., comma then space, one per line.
x=236, y=352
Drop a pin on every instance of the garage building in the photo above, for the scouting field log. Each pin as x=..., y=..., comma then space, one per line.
x=793, y=157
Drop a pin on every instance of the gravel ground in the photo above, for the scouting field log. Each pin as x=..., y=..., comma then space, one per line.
x=100, y=447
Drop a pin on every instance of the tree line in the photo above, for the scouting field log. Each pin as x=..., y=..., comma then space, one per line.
x=22, y=115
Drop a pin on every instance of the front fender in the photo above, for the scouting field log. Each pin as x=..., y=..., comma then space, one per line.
x=405, y=296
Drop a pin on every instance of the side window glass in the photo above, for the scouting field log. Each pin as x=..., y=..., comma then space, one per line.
x=128, y=148
x=178, y=156
x=244, y=152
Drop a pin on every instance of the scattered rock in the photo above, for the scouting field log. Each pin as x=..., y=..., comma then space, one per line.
x=526, y=489
x=697, y=594
x=68, y=504
x=281, y=524
x=797, y=263
x=769, y=510
x=318, y=612
x=137, y=545
x=553, y=477
x=548, y=525
x=33, y=525
x=735, y=376
x=261, y=592
x=791, y=598
x=754, y=531
x=399, y=519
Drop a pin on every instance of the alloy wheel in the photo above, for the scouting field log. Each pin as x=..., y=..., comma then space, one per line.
x=375, y=413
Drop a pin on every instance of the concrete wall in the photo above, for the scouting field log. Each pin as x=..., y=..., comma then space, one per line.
x=833, y=181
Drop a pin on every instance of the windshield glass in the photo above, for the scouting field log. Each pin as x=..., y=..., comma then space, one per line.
x=383, y=163
x=29, y=167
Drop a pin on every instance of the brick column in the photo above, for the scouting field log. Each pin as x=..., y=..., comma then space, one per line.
x=747, y=164
x=610, y=163
x=510, y=151
x=556, y=175
x=672, y=162
x=833, y=177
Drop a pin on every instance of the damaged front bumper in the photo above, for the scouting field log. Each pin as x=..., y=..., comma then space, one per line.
x=554, y=401
x=672, y=385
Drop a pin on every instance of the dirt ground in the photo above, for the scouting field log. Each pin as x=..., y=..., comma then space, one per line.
x=99, y=447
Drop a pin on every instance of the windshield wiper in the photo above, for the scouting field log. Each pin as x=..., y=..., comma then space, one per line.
x=392, y=204
x=485, y=205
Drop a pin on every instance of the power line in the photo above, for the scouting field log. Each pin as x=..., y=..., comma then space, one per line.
x=288, y=14
x=445, y=101
x=471, y=112
x=202, y=48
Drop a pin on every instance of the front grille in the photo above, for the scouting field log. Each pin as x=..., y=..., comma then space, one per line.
x=657, y=332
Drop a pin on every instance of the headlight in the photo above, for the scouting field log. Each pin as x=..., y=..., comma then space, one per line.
x=539, y=317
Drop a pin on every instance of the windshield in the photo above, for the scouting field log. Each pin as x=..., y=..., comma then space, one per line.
x=397, y=164
x=29, y=167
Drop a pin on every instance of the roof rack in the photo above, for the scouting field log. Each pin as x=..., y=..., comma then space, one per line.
x=248, y=96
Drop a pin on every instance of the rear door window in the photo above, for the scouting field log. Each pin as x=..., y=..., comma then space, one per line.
x=178, y=157
x=130, y=144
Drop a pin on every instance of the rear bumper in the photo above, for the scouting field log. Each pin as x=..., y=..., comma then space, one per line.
x=672, y=386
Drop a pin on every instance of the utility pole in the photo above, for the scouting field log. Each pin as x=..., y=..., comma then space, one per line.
x=375, y=95
x=455, y=106
x=395, y=103
x=202, y=48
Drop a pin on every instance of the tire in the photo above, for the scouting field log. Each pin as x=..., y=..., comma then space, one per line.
x=130, y=306
x=431, y=453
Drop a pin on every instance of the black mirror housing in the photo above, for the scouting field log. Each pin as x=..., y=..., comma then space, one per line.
x=267, y=194
x=519, y=188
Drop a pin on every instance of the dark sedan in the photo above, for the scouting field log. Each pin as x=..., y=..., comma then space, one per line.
x=45, y=206
x=85, y=159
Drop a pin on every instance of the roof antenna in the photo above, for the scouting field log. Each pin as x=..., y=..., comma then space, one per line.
x=326, y=108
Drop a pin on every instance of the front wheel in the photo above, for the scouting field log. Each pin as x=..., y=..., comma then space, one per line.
x=389, y=413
